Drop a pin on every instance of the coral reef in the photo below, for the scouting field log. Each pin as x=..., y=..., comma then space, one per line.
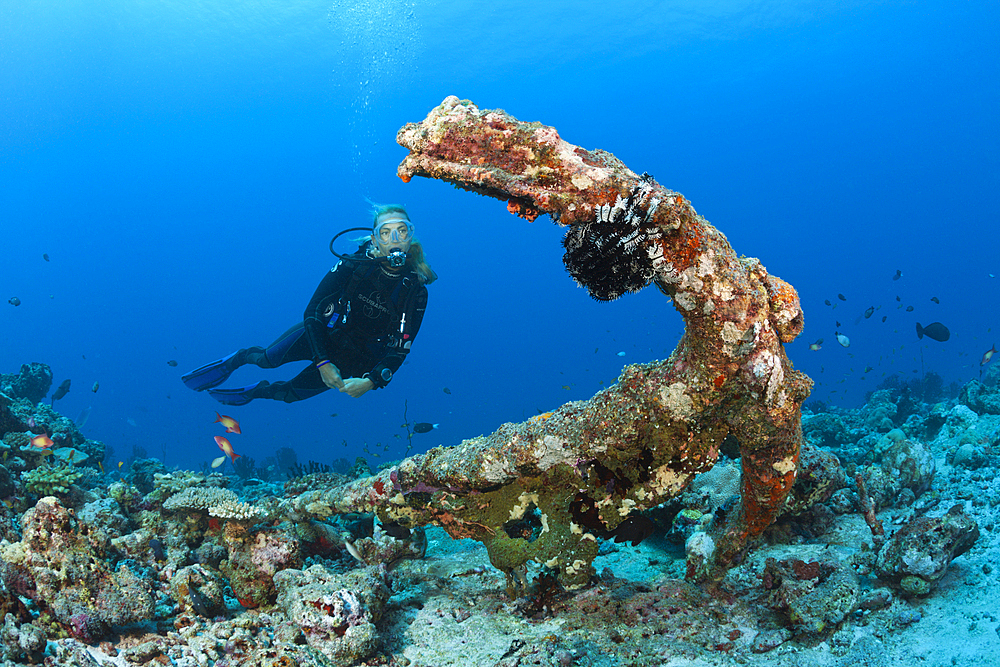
x=337, y=613
x=815, y=595
x=918, y=555
x=32, y=383
x=254, y=559
x=198, y=590
x=812, y=590
x=201, y=499
x=63, y=569
x=903, y=465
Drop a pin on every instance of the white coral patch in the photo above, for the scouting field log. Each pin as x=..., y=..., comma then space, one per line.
x=551, y=450
x=627, y=506
x=319, y=509
x=691, y=281
x=763, y=364
x=705, y=266
x=669, y=482
x=732, y=334
x=581, y=181
x=676, y=401
x=525, y=499
x=547, y=135
x=686, y=300
x=497, y=470
x=784, y=466
x=724, y=291
x=700, y=546
x=776, y=382
x=920, y=564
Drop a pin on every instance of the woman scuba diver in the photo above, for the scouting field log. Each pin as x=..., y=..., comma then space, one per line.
x=358, y=326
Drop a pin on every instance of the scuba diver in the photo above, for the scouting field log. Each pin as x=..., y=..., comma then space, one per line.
x=357, y=328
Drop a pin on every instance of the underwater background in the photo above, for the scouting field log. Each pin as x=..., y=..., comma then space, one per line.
x=171, y=174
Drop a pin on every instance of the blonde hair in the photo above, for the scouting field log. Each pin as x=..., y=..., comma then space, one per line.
x=415, y=259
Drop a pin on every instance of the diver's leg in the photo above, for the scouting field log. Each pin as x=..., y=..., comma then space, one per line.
x=290, y=346
x=213, y=374
x=305, y=385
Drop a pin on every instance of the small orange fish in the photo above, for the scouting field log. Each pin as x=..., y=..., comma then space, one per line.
x=226, y=448
x=232, y=426
x=42, y=441
x=989, y=355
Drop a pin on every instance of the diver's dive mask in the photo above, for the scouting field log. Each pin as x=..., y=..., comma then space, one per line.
x=394, y=241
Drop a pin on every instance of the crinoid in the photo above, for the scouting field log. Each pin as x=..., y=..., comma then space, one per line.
x=609, y=255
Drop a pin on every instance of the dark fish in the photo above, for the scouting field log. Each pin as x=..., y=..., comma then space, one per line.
x=935, y=330
x=838, y=325
x=909, y=309
x=198, y=602
x=361, y=527
x=14, y=301
x=899, y=274
x=884, y=317
x=172, y=363
x=96, y=386
x=898, y=299
x=61, y=391
x=935, y=299
x=448, y=391
x=633, y=529
x=393, y=529
x=842, y=297
x=869, y=312
x=827, y=302
x=45, y=256
x=424, y=427
x=156, y=546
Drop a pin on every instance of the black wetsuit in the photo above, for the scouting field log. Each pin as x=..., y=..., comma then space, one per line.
x=378, y=313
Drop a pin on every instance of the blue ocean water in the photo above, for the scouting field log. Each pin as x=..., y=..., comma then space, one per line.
x=183, y=165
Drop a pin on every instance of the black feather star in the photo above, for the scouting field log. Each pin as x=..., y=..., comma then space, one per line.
x=610, y=254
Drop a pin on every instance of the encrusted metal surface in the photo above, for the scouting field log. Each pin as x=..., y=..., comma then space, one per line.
x=542, y=489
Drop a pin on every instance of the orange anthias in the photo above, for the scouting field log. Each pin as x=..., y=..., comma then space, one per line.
x=227, y=448
x=42, y=441
x=232, y=426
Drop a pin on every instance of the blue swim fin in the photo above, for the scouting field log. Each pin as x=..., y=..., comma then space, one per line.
x=238, y=396
x=210, y=375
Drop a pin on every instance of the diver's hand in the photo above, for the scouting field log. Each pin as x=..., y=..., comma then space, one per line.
x=355, y=387
x=331, y=376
